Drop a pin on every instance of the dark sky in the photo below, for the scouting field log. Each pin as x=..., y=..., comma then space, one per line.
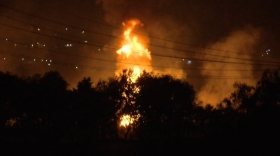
x=224, y=40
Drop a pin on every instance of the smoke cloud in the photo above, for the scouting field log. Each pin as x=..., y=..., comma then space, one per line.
x=243, y=45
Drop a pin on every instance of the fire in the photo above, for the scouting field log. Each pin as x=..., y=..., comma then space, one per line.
x=138, y=58
x=133, y=51
x=126, y=120
x=136, y=73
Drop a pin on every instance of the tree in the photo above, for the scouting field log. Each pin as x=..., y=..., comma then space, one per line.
x=268, y=90
x=13, y=97
x=112, y=101
x=86, y=109
x=242, y=99
x=85, y=85
x=52, y=82
x=165, y=105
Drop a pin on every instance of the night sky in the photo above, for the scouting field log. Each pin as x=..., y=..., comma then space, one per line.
x=212, y=44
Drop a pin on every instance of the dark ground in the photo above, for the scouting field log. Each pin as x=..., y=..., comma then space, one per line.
x=151, y=147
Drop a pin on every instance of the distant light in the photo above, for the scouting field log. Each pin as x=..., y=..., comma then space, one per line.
x=34, y=59
x=42, y=60
x=39, y=29
x=262, y=55
x=4, y=58
x=49, y=64
x=76, y=67
x=44, y=45
x=98, y=49
x=15, y=45
x=50, y=60
x=46, y=60
x=22, y=59
x=189, y=62
x=65, y=28
x=183, y=59
x=83, y=32
x=55, y=34
x=32, y=45
x=85, y=41
x=6, y=39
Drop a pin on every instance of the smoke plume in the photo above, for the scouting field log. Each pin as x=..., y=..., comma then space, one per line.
x=219, y=84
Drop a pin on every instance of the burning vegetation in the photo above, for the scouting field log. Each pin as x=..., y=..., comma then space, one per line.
x=133, y=53
x=134, y=56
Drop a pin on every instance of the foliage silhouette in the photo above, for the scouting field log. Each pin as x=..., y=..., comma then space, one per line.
x=41, y=111
x=165, y=105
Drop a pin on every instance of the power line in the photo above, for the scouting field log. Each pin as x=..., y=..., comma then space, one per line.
x=53, y=31
x=78, y=66
x=161, y=56
x=34, y=59
x=113, y=48
x=56, y=22
x=127, y=63
x=111, y=36
x=115, y=27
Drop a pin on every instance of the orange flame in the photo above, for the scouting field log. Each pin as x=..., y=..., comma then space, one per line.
x=138, y=58
x=133, y=51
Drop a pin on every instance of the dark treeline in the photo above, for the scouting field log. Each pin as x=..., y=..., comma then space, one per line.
x=39, y=114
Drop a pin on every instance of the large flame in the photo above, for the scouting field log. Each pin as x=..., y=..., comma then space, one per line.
x=132, y=55
x=133, y=52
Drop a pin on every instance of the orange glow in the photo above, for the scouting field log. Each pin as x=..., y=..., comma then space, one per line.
x=132, y=55
x=133, y=52
x=126, y=120
x=136, y=73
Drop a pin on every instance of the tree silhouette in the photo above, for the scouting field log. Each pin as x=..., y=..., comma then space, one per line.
x=268, y=90
x=85, y=109
x=85, y=85
x=242, y=99
x=165, y=105
x=40, y=110
x=12, y=97
x=110, y=101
